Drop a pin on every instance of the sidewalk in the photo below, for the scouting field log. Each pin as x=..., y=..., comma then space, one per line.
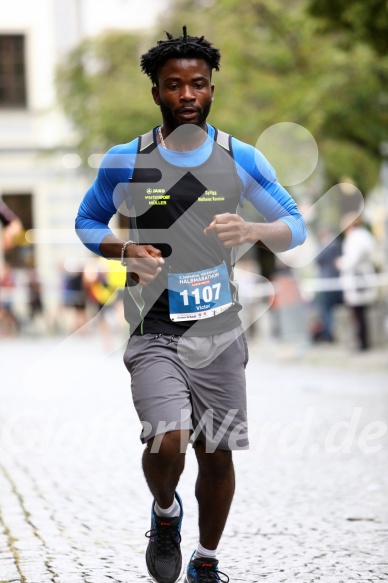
x=311, y=498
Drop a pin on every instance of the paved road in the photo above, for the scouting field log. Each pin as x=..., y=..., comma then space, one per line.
x=311, y=496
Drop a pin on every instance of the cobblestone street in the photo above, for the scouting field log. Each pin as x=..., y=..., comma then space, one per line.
x=311, y=500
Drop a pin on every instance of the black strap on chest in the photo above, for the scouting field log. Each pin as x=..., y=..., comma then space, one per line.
x=147, y=141
x=147, y=144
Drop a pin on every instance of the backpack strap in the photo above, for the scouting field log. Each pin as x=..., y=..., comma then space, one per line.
x=224, y=140
x=146, y=141
x=147, y=144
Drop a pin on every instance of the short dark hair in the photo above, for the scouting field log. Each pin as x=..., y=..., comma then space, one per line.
x=181, y=47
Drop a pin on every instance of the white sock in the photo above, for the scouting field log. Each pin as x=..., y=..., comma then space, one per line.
x=173, y=510
x=202, y=552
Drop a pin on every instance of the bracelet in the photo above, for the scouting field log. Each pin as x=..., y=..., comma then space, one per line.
x=123, y=262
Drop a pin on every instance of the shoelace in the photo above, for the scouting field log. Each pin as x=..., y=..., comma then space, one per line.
x=167, y=538
x=207, y=573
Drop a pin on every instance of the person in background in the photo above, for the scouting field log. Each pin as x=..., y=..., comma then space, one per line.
x=327, y=298
x=357, y=266
x=35, y=294
x=75, y=298
x=12, y=226
x=104, y=282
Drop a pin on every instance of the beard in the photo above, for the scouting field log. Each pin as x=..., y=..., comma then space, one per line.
x=171, y=120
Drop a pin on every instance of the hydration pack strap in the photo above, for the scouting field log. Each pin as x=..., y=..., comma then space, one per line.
x=222, y=139
x=146, y=140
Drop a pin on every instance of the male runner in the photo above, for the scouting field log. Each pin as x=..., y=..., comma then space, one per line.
x=180, y=185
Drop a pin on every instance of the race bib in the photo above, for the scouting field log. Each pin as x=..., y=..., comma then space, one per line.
x=199, y=295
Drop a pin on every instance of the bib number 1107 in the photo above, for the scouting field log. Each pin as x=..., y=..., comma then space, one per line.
x=207, y=294
x=200, y=294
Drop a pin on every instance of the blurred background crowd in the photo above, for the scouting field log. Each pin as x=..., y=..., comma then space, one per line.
x=71, y=87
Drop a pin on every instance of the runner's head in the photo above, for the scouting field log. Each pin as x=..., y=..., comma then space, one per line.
x=181, y=47
x=181, y=70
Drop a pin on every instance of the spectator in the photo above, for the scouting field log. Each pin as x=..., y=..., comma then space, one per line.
x=9, y=324
x=357, y=265
x=104, y=283
x=34, y=295
x=75, y=298
x=327, y=299
x=12, y=226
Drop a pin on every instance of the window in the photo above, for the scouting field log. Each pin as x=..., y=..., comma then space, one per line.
x=12, y=71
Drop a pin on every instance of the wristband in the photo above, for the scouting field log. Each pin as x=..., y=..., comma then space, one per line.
x=123, y=262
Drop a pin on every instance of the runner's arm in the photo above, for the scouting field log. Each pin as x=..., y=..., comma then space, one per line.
x=232, y=230
x=284, y=227
x=97, y=208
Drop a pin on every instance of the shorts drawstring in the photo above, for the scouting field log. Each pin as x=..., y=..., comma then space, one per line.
x=159, y=335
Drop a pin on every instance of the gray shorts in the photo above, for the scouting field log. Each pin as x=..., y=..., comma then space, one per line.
x=193, y=383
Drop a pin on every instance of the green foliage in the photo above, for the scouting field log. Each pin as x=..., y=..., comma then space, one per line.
x=103, y=92
x=362, y=20
x=276, y=66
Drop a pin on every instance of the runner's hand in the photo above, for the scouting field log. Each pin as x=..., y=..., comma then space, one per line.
x=230, y=229
x=144, y=263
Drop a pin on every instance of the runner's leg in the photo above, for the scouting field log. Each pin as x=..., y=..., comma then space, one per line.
x=214, y=491
x=163, y=464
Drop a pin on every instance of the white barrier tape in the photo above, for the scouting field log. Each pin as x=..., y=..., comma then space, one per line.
x=250, y=289
x=319, y=284
x=345, y=282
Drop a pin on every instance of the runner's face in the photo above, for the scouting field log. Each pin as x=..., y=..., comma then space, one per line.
x=184, y=92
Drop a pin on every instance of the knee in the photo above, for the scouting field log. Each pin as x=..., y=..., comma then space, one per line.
x=169, y=445
x=217, y=464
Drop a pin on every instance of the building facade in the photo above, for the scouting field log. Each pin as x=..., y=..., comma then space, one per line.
x=41, y=178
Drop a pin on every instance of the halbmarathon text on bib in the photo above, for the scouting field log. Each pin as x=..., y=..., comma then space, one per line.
x=199, y=295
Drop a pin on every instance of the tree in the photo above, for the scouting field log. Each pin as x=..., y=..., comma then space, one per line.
x=102, y=91
x=358, y=20
x=276, y=66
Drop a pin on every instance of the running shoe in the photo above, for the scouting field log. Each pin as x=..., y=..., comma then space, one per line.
x=163, y=555
x=204, y=570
